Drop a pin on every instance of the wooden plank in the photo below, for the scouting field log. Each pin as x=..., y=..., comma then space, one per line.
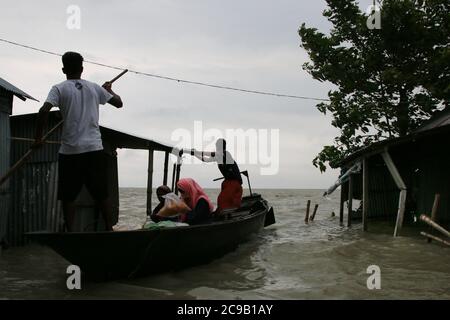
x=430, y=236
x=365, y=193
x=308, y=204
x=401, y=185
x=341, y=206
x=437, y=198
x=173, y=176
x=434, y=210
x=350, y=200
x=166, y=167
x=177, y=174
x=393, y=170
x=401, y=213
x=149, y=182
x=314, y=212
x=433, y=224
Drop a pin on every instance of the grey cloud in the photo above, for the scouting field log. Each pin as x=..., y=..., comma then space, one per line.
x=249, y=44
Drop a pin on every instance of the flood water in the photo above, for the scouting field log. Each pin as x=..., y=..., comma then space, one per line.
x=288, y=260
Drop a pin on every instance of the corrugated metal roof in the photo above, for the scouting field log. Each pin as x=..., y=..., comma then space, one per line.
x=380, y=146
x=4, y=166
x=439, y=120
x=14, y=90
x=23, y=126
x=129, y=141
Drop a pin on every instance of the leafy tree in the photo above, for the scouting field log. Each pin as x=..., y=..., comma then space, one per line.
x=388, y=80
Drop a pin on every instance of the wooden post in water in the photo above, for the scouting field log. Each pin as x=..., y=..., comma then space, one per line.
x=429, y=236
x=173, y=176
x=149, y=182
x=177, y=174
x=341, y=206
x=365, y=193
x=307, y=211
x=437, y=197
x=402, y=186
x=436, y=226
x=314, y=212
x=166, y=167
x=350, y=200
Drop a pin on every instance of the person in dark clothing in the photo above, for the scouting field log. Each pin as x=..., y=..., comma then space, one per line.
x=160, y=192
x=81, y=159
x=230, y=196
x=197, y=200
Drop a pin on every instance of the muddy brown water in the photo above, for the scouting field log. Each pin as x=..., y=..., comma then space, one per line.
x=289, y=260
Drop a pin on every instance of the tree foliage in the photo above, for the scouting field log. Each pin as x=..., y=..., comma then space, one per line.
x=386, y=81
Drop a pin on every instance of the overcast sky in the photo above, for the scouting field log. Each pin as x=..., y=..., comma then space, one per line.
x=250, y=44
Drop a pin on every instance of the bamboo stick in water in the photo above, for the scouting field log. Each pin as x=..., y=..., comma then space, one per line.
x=430, y=222
x=307, y=211
x=314, y=212
x=429, y=236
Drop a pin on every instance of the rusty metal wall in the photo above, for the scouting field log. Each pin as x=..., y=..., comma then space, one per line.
x=433, y=177
x=4, y=166
x=34, y=204
x=55, y=221
x=424, y=167
x=383, y=192
x=4, y=209
x=30, y=206
x=24, y=127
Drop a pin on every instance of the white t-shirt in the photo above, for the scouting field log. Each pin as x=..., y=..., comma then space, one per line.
x=78, y=101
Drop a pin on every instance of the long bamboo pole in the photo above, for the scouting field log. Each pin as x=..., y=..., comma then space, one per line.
x=119, y=75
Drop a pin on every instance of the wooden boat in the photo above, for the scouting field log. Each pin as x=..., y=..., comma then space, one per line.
x=119, y=254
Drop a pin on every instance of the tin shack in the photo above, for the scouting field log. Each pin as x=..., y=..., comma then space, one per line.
x=7, y=93
x=33, y=203
x=399, y=179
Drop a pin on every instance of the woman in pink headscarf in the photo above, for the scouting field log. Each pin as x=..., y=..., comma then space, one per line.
x=197, y=200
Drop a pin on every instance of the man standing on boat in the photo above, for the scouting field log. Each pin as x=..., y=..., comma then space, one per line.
x=81, y=158
x=230, y=196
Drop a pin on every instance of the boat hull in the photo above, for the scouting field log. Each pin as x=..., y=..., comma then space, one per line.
x=110, y=255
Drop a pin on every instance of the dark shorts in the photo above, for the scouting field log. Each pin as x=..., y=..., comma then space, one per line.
x=76, y=170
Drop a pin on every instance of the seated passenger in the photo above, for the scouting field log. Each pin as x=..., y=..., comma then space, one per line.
x=199, y=203
x=160, y=192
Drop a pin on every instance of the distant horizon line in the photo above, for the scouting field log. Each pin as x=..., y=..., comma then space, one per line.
x=261, y=188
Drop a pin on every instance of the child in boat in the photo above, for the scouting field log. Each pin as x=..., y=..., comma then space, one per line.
x=160, y=192
x=197, y=200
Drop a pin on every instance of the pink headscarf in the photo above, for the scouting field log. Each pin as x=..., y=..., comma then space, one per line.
x=194, y=192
